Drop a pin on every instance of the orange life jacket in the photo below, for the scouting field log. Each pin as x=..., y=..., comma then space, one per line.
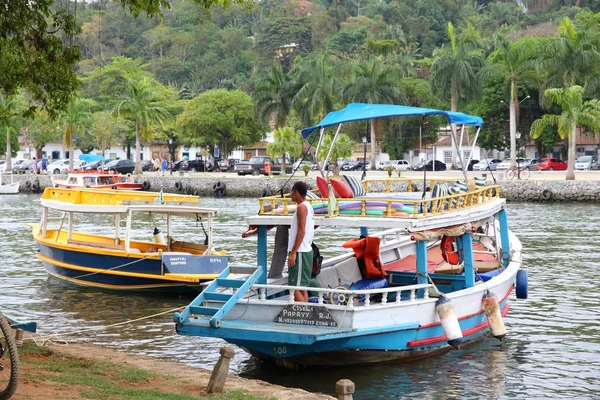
x=367, y=254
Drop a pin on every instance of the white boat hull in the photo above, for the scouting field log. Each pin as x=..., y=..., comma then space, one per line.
x=10, y=188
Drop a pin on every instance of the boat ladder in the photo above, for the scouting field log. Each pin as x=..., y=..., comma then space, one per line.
x=213, y=293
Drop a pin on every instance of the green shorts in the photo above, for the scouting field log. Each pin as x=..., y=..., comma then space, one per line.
x=306, y=258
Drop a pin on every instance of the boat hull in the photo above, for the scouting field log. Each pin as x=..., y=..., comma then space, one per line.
x=120, y=272
x=9, y=188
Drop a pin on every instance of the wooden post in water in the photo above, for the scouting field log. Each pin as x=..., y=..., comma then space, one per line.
x=344, y=389
x=221, y=370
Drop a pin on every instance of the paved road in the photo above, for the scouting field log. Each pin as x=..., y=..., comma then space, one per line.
x=535, y=175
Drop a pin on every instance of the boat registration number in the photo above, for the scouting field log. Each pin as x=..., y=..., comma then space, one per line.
x=305, y=315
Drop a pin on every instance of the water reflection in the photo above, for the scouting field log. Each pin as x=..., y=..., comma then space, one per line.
x=551, y=350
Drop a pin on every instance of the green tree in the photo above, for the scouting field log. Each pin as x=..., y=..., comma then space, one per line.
x=143, y=103
x=273, y=96
x=285, y=141
x=373, y=82
x=106, y=130
x=319, y=89
x=343, y=149
x=454, y=69
x=9, y=118
x=219, y=117
x=75, y=118
x=575, y=113
x=512, y=62
x=41, y=130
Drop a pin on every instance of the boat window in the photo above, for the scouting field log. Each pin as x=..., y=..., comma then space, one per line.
x=73, y=179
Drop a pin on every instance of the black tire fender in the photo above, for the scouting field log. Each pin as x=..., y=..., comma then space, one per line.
x=35, y=186
x=189, y=190
x=178, y=185
x=27, y=184
x=546, y=195
x=146, y=185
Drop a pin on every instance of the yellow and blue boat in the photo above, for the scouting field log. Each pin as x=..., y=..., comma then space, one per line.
x=129, y=258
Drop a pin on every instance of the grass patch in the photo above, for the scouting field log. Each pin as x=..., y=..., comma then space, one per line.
x=98, y=379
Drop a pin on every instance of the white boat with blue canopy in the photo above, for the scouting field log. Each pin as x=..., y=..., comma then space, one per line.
x=431, y=268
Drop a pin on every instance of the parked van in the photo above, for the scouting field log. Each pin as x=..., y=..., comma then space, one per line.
x=381, y=165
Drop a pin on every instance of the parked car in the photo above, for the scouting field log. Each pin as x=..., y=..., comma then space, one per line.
x=487, y=165
x=428, y=166
x=120, y=166
x=381, y=165
x=193, y=165
x=94, y=165
x=469, y=167
x=586, y=163
x=147, y=165
x=401, y=165
x=359, y=166
x=349, y=166
x=176, y=166
x=22, y=167
x=228, y=164
x=504, y=165
x=256, y=166
x=62, y=166
x=551, y=164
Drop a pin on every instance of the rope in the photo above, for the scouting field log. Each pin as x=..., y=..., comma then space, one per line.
x=42, y=340
x=110, y=269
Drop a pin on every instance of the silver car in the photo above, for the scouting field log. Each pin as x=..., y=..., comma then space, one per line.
x=487, y=165
x=586, y=163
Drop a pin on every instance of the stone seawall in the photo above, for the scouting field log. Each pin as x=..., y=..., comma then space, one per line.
x=250, y=186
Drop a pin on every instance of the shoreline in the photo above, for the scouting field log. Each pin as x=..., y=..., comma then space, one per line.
x=90, y=371
x=541, y=187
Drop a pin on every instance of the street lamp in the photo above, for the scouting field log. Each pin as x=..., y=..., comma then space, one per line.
x=364, y=167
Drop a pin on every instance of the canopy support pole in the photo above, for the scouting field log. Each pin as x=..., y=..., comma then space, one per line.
x=467, y=249
x=337, y=132
x=453, y=133
x=473, y=145
x=321, y=135
x=504, y=238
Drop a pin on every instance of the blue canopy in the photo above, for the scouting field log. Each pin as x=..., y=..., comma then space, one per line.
x=362, y=111
x=88, y=158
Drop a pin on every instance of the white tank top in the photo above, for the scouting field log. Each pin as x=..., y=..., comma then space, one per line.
x=309, y=230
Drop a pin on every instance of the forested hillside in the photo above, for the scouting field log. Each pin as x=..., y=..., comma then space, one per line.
x=222, y=76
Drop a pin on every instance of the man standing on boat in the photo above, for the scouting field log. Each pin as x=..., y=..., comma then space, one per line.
x=302, y=231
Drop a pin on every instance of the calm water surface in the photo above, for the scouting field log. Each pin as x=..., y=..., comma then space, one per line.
x=552, y=350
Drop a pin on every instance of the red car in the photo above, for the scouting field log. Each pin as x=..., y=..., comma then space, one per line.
x=551, y=164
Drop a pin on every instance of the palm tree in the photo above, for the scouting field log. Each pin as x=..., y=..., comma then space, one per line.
x=286, y=141
x=75, y=118
x=143, y=104
x=343, y=149
x=575, y=113
x=319, y=89
x=453, y=71
x=273, y=96
x=8, y=123
x=512, y=61
x=374, y=83
x=571, y=59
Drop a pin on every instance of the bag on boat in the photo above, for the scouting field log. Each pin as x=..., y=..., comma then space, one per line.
x=317, y=260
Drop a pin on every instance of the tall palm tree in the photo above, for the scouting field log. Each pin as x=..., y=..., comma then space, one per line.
x=318, y=91
x=286, y=141
x=575, y=113
x=273, y=96
x=143, y=104
x=75, y=117
x=453, y=71
x=512, y=61
x=8, y=115
x=374, y=83
x=571, y=59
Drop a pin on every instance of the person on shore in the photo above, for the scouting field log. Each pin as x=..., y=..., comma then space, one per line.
x=163, y=166
x=156, y=163
x=44, y=165
x=302, y=231
x=34, y=166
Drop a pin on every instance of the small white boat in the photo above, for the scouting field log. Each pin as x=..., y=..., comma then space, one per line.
x=8, y=188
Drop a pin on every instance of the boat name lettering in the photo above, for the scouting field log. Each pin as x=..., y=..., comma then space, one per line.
x=216, y=260
x=305, y=315
x=177, y=260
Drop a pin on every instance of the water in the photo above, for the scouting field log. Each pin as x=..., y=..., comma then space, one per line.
x=552, y=350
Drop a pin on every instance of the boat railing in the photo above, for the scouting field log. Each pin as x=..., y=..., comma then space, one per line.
x=352, y=298
x=411, y=183
x=394, y=208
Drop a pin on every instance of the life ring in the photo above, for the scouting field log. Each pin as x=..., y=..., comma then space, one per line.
x=449, y=254
x=189, y=190
x=145, y=185
x=27, y=184
x=178, y=185
x=546, y=195
x=35, y=186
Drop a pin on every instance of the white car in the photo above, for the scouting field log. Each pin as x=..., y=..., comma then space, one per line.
x=586, y=163
x=504, y=165
x=62, y=166
x=487, y=165
x=381, y=165
x=401, y=165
